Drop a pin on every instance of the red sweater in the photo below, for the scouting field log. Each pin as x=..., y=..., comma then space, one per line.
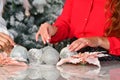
x=84, y=18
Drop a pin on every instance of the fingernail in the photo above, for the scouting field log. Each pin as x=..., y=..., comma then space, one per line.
x=44, y=42
x=36, y=40
x=48, y=41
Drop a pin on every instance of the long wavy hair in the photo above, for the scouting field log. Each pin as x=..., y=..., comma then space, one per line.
x=114, y=27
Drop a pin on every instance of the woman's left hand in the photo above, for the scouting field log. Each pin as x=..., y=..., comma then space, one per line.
x=89, y=41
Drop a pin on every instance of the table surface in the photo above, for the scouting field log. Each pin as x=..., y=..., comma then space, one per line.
x=110, y=70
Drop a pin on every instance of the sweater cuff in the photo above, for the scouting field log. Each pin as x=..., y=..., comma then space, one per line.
x=114, y=46
x=60, y=35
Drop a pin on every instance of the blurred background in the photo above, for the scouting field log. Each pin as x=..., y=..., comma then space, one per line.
x=23, y=18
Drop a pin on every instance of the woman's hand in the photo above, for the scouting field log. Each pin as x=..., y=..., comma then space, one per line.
x=46, y=31
x=89, y=41
x=6, y=42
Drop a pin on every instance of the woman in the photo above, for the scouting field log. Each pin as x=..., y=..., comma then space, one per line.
x=93, y=22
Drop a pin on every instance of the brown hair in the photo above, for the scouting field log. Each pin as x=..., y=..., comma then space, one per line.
x=114, y=27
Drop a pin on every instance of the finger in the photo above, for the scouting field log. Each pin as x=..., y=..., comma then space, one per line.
x=43, y=39
x=43, y=36
x=4, y=41
x=73, y=46
x=3, y=45
x=48, y=30
x=8, y=38
x=8, y=50
x=81, y=46
x=43, y=32
x=0, y=47
x=37, y=35
x=47, y=37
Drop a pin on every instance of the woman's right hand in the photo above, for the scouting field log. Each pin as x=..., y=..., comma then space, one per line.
x=6, y=42
x=46, y=31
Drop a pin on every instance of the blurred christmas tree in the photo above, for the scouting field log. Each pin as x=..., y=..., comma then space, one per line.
x=24, y=27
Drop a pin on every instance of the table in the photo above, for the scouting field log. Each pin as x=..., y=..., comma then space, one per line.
x=110, y=70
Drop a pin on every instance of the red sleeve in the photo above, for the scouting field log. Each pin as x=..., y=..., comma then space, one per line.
x=62, y=23
x=114, y=46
